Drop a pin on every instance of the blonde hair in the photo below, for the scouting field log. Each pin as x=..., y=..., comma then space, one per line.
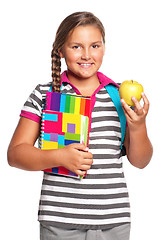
x=68, y=24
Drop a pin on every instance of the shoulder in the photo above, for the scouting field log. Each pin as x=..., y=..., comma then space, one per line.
x=35, y=102
x=39, y=93
x=42, y=88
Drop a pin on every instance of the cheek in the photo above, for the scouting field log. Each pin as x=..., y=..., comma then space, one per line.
x=72, y=57
x=98, y=56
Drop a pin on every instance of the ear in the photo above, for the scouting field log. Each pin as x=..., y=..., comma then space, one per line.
x=60, y=51
x=104, y=49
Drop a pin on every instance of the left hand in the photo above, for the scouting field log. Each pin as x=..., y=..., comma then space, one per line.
x=136, y=118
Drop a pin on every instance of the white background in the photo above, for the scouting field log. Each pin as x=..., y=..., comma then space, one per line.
x=132, y=52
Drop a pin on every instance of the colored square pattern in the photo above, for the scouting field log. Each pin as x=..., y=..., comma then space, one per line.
x=63, y=102
x=71, y=127
x=65, y=120
x=66, y=133
x=53, y=137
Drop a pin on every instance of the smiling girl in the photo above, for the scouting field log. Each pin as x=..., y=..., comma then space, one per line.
x=83, y=52
x=97, y=206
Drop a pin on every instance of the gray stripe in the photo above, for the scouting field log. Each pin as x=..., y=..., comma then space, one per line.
x=101, y=109
x=36, y=99
x=43, y=92
x=106, y=156
x=105, y=118
x=102, y=91
x=80, y=216
x=84, y=196
x=106, y=128
x=30, y=104
x=85, y=206
x=83, y=186
x=104, y=137
x=47, y=85
x=106, y=166
x=104, y=176
x=103, y=146
x=103, y=100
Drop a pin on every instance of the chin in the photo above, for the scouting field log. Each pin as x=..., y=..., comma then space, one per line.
x=82, y=74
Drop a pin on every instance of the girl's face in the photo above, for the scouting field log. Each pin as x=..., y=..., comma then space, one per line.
x=83, y=51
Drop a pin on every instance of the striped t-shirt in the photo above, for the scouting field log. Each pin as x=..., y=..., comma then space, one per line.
x=100, y=200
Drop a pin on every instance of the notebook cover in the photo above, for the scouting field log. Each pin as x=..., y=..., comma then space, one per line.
x=65, y=120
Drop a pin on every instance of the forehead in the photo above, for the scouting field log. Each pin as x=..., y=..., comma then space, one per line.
x=85, y=33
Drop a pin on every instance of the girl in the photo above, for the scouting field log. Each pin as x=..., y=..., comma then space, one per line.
x=97, y=206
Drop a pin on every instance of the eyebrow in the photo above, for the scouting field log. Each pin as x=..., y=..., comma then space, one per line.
x=77, y=43
x=97, y=42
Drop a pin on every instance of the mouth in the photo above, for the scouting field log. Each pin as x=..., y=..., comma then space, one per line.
x=85, y=65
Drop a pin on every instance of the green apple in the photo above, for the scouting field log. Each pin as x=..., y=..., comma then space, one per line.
x=129, y=89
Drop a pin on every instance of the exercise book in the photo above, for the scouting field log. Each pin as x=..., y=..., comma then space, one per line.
x=65, y=120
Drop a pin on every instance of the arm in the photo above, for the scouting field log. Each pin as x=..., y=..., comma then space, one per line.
x=138, y=146
x=22, y=153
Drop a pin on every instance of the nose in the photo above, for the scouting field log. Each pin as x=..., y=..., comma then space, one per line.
x=85, y=54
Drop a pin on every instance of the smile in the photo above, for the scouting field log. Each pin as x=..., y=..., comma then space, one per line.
x=85, y=65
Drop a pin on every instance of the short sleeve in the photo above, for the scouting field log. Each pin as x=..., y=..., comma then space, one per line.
x=32, y=108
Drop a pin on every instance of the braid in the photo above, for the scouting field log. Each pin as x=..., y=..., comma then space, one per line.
x=56, y=70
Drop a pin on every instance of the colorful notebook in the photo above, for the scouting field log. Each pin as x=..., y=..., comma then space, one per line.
x=65, y=120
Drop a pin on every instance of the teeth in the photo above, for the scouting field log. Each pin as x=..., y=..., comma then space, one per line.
x=85, y=64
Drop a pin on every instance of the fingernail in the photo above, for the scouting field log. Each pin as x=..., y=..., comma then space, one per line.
x=87, y=149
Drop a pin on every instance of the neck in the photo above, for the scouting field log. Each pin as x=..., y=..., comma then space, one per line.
x=86, y=86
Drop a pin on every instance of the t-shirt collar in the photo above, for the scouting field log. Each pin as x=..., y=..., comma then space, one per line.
x=104, y=80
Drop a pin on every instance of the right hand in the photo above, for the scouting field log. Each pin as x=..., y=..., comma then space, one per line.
x=77, y=158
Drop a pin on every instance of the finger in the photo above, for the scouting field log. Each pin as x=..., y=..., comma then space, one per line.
x=87, y=155
x=85, y=167
x=89, y=161
x=127, y=110
x=86, y=161
x=86, y=164
x=80, y=146
x=146, y=102
x=138, y=107
x=80, y=172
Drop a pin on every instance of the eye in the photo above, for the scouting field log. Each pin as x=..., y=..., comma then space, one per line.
x=76, y=47
x=95, y=46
